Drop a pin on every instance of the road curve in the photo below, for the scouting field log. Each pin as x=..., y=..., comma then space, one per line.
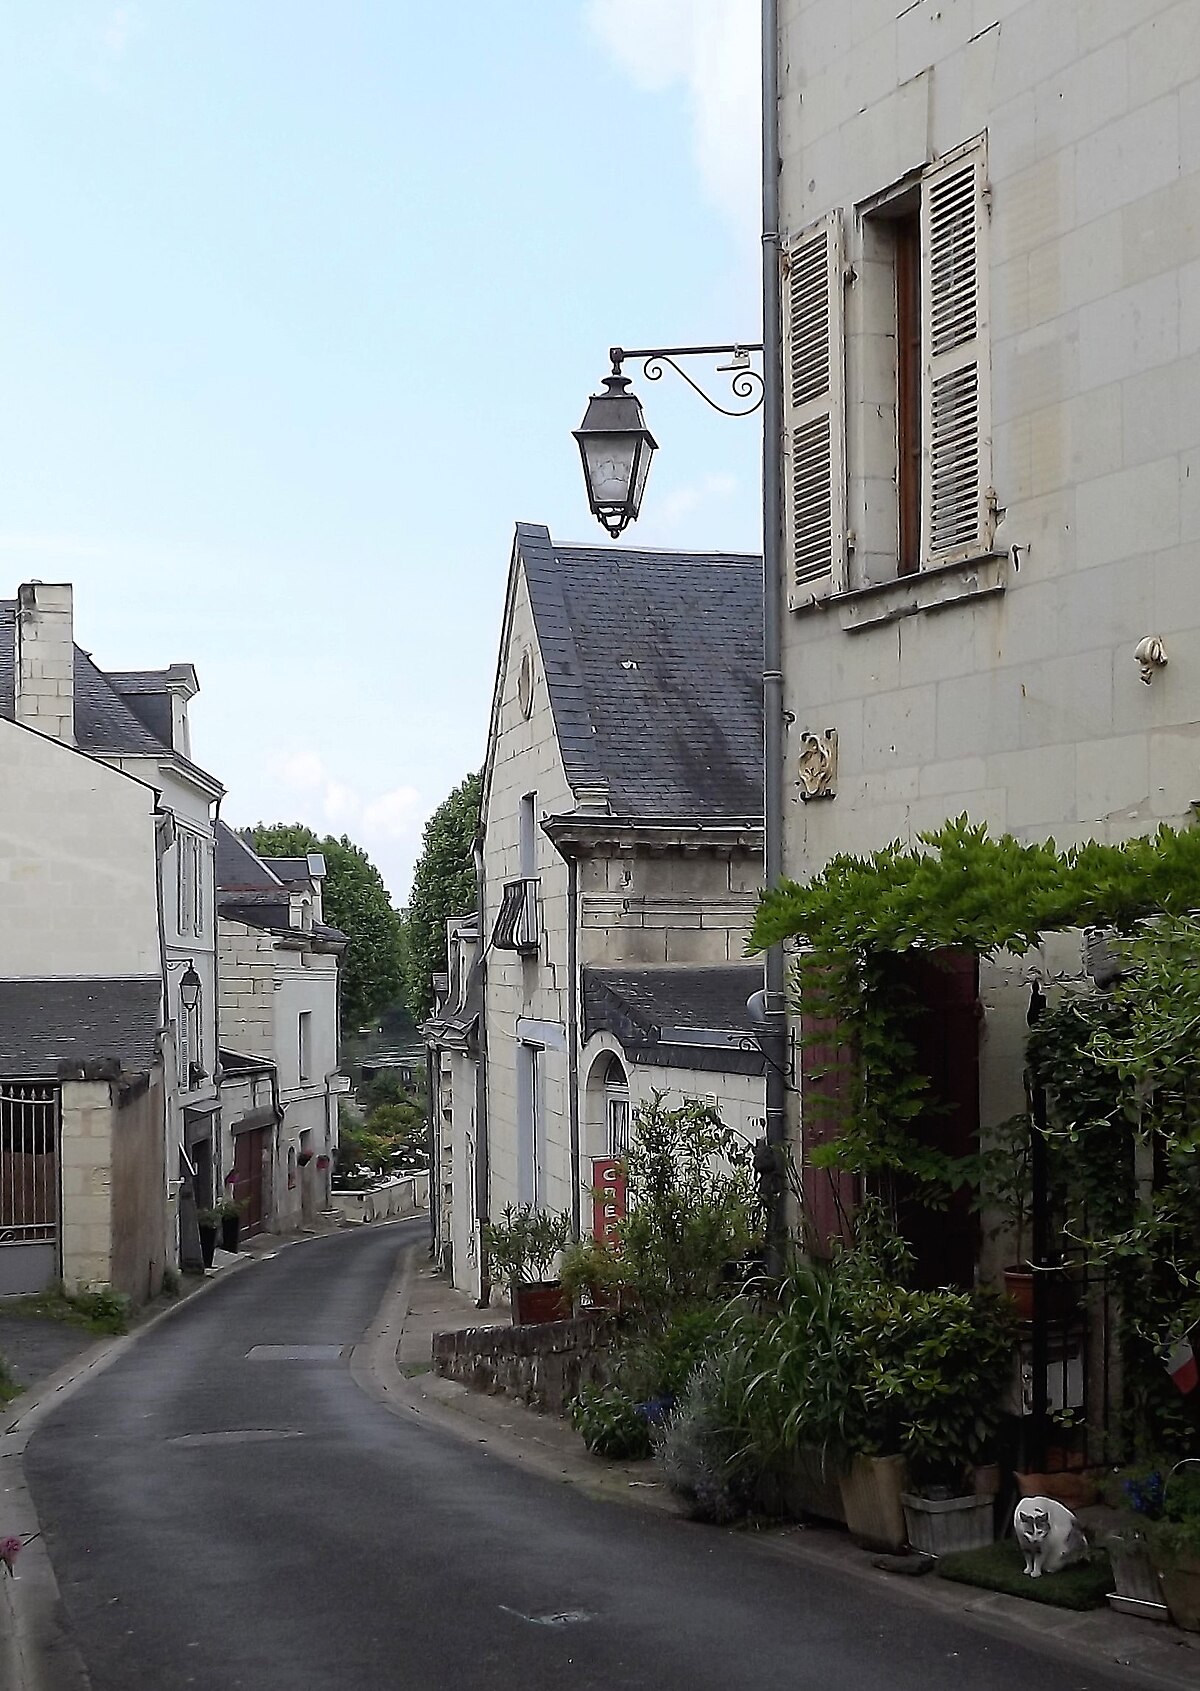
x=224, y=1517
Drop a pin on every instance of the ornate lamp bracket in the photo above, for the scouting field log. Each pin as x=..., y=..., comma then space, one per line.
x=746, y=382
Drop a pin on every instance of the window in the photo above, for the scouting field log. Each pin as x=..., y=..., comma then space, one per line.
x=531, y=1124
x=900, y=411
x=527, y=837
x=616, y=1110
x=304, y=1041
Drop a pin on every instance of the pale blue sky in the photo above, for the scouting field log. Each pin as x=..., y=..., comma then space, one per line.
x=299, y=302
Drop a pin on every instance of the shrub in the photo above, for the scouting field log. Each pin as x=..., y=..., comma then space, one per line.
x=611, y=1424
x=524, y=1243
x=707, y=1451
x=659, y=1363
x=693, y=1204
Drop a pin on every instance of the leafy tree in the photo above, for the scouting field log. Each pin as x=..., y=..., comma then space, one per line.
x=443, y=886
x=355, y=900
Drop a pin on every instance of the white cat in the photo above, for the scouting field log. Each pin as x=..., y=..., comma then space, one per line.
x=1049, y=1535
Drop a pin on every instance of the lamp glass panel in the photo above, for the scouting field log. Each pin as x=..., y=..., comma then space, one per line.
x=610, y=461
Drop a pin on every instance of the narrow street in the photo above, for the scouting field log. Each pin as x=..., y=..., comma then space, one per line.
x=221, y=1517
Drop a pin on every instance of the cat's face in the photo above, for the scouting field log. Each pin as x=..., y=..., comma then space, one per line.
x=1037, y=1524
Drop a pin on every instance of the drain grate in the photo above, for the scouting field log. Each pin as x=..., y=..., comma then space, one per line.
x=297, y=1353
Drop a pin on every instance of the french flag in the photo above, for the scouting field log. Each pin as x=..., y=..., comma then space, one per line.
x=1182, y=1366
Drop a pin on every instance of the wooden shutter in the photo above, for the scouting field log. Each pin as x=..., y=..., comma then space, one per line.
x=956, y=500
x=813, y=412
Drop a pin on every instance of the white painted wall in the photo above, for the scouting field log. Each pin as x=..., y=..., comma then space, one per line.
x=1023, y=708
x=77, y=864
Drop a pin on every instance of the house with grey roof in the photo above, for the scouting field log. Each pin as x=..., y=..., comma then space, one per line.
x=621, y=859
x=280, y=1084
x=107, y=1077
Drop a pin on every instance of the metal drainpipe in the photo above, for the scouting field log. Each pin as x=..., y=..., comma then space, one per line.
x=775, y=1031
x=216, y=984
x=573, y=1035
x=433, y=1061
x=482, y=1168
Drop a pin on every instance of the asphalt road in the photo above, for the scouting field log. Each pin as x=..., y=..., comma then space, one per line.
x=220, y=1520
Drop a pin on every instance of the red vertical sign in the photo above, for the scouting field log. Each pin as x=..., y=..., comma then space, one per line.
x=608, y=1199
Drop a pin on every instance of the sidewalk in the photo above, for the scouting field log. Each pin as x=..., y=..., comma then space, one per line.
x=394, y=1364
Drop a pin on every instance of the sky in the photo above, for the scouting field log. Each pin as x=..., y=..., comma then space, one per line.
x=299, y=304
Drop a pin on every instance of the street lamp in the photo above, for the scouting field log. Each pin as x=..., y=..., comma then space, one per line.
x=189, y=988
x=614, y=442
x=616, y=448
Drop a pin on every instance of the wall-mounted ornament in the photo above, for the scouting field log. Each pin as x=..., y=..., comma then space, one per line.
x=817, y=765
x=1152, y=655
x=525, y=684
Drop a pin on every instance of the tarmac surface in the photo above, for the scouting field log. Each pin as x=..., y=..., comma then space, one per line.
x=225, y=1508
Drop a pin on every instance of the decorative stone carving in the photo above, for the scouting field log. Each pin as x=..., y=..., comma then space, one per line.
x=817, y=764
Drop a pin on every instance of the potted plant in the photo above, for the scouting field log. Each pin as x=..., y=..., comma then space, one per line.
x=522, y=1247
x=209, y=1223
x=1175, y=1544
x=938, y=1363
x=594, y=1269
x=229, y=1218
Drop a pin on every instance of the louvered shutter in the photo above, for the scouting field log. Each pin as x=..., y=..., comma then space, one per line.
x=813, y=412
x=956, y=505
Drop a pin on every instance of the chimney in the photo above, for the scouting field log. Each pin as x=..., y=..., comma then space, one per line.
x=44, y=682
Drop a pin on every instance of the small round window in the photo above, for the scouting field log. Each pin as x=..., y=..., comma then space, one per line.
x=525, y=683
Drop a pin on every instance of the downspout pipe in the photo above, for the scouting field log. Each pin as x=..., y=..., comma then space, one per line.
x=775, y=1029
x=482, y=1170
x=573, y=1037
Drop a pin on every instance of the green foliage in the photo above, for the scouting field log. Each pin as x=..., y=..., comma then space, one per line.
x=610, y=1424
x=100, y=1309
x=8, y=1385
x=355, y=900
x=443, y=887
x=960, y=887
x=587, y=1266
x=523, y=1245
x=693, y=1204
x=170, y=1282
x=658, y=1362
x=1173, y=1529
x=707, y=1449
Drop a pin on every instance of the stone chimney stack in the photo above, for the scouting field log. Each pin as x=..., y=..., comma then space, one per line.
x=45, y=660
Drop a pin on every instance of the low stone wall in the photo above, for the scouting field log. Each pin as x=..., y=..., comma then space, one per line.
x=543, y=1366
x=407, y=1194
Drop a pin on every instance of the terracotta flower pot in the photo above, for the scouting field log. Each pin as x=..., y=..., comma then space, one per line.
x=1076, y=1491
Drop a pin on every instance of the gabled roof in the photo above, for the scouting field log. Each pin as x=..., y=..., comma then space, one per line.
x=239, y=868
x=49, y=1028
x=687, y=1016
x=653, y=665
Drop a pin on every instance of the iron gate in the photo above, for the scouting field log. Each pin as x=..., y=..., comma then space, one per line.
x=29, y=1202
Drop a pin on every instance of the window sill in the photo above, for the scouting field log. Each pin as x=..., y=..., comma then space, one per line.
x=929, y=590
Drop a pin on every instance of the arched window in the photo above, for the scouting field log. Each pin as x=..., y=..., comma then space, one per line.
x=616, y=1108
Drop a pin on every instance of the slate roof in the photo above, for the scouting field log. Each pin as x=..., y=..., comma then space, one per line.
x=290, y=869
x=105, y=720
x=145, y=692
x=653, y=663
x=249, y=890
x=648, y=1010
x=48, y=1024
x=239, y=867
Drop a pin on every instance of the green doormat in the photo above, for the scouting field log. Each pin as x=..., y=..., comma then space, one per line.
x=1001, y=1567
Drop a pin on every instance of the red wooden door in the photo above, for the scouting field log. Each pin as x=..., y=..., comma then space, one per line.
x=944, y=1028
x=249, y=1155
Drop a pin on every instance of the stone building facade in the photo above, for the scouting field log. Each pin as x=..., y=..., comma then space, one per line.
x=621, y=827
x=280, y=1048
x=991, y=230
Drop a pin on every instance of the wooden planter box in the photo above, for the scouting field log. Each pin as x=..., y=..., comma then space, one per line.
x=810, y=1484
x=1137, y=1589
x=871, y=1494
x=940, y=1525
x=535, y=1305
